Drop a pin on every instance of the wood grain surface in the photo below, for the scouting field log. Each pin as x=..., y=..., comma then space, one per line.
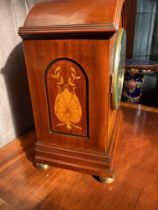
x=129, y=20
x=94, y=147
x=23, y=187
x=38, y=55
x=4, y=205
x=71, y=16
x=72, y=122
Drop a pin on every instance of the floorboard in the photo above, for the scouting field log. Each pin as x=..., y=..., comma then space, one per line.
x=24, y=187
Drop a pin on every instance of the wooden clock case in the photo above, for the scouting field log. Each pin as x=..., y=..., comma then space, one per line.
x=69, y=48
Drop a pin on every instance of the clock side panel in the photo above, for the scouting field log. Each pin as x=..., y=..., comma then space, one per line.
x=69, y=85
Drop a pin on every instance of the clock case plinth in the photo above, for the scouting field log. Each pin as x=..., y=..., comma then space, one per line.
x=69, y=49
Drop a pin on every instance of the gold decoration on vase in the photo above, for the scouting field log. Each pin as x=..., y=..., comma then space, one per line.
x=67, y=106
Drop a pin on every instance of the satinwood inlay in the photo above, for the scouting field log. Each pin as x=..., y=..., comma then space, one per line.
x=66, y=98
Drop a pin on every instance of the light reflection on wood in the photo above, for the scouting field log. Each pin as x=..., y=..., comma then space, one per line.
x=140, y=107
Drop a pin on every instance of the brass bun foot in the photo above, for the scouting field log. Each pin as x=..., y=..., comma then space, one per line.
x=107, y=180
x=42, y=166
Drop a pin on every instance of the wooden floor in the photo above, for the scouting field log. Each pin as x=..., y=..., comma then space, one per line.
x=23, y=187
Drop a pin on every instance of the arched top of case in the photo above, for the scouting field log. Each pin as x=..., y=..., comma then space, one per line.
x=70, y=16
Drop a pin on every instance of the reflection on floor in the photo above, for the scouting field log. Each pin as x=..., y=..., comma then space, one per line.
x=135, y=187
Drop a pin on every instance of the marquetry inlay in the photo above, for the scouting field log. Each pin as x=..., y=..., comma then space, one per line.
x=66, y=97
x=67, y=106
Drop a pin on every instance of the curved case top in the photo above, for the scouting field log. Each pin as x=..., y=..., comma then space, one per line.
x=58, y=16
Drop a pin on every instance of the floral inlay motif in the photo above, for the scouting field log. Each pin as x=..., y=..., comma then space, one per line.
x=67, y=106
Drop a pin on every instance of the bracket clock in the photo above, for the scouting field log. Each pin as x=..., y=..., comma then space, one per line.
x=74, y=52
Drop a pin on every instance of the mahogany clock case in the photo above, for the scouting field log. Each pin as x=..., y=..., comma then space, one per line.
x=70, y=66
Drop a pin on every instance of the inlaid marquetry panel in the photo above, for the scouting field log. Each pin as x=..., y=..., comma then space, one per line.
x=66, y=91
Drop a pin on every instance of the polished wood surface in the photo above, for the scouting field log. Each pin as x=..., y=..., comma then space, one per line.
x=141, y=65
x=71, y=83
x=4, y=205
x=73, y=16
x=129, y=20
x=140, y=107
x=79, y=153
x=38, y=55
x=23, y=187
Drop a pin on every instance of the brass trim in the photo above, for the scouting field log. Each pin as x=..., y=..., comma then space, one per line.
x=41, y=166
x=107, y=180
x=115, y=96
